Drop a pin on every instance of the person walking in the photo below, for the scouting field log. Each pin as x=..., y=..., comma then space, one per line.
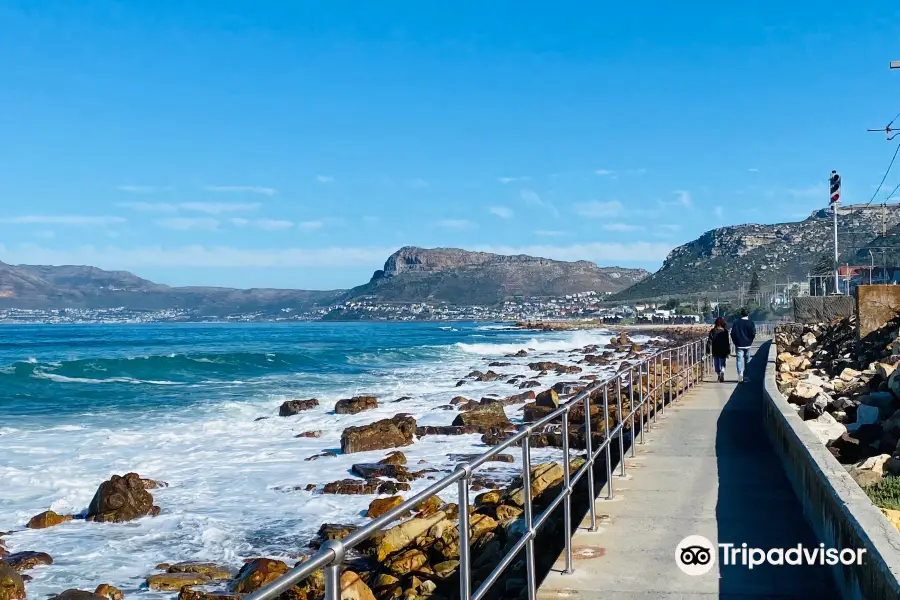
x=742, y=333
x=718, y=345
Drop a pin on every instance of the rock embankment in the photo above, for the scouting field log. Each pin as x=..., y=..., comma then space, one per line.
x=848, y=394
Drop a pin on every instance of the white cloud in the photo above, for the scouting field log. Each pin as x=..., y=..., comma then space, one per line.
x=604, y=172
x=188, y=224
x=550, y=233
x=512, y=179
x=596, y=210
x=455, y=224
x=719, y=212
x=753, y=170
x=273, y=224
x=199, y=256
x=137, y=189
x=310, y=225
x=532, y=198
x=501, y=211
x=683, y=198
x=80, y=220
x=217, y=208
x=248, y=189
x=417, y=183
x=819, y=190
x=324, y=179
x=622, y=227
x=163, y=207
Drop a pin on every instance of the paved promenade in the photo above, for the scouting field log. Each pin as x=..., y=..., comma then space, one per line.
x=707, y=469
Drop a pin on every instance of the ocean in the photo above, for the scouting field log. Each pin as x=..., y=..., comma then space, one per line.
x=180, y=403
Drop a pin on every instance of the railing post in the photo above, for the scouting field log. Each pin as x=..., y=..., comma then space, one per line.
x=607, y=442
x=620, y=423
x=567, y=503
x=333, y=570
x=588, y=444
x=657, y=386
x=643, y=396
x=662, y=394
x=631, y=409
x=465, y=564
x=529, y=517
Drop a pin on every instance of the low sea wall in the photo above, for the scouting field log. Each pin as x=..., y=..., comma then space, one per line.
x=840, y=513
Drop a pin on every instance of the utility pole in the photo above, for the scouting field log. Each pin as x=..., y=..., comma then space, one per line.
x=835, y=181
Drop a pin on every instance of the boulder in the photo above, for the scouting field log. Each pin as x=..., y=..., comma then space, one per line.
x=373, y=470
x=12, y=586
x=870, y=471
x=803, y=393
x=531, y=383
x=894, y=382
x=356, y=404
x=48, y=518
x=447, y=430
x=543, y=476
x=487, y=415
x=893, y=516
x=354, y=588
x=380, y=506
x=309, y=434
x=459, y=400
x=257, y=573
x=121, y=498
x=74, y=594
x=386, y=433
x=153, y=484
x=850, y=375
x=826, y=428
x=292, y=407
x=356, y=487
x=861, y=444
x=407, y=561
x=173, y=582
x=393, y=458
x=548, y=398
x=211, y=570
x=885, y=370
x=333, y=531
x=400, y=536
x=883, y=401
x=24, y=561
x=110, y=592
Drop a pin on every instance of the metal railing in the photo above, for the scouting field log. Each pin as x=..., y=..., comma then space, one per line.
x=669, y=374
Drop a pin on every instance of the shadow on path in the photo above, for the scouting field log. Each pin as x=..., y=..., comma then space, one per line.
x=756, y=504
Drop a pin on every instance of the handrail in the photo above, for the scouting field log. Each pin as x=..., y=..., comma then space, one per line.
x=665, y=386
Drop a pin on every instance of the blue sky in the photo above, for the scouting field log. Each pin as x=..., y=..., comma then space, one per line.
x=297, y=144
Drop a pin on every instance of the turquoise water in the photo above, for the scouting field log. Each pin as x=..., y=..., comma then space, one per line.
x=182, y=403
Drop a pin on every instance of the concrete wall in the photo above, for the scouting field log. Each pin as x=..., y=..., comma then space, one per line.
x=840, y=513
x=820, y=309
x=875, y=306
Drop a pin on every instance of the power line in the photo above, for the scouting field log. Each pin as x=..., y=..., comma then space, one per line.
x=886, y=173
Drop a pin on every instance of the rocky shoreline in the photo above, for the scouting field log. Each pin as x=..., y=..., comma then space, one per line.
x=848, y=393
x=418, y=557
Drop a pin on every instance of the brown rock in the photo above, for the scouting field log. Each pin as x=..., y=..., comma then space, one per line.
x=380, y=506
x=487, y=415
x=23, y=561
x=48, y=518
x=120, y=499
x=333, y=531
x=373, y=470
x=356, y=487
x=309, y=434
x=407, y=561
x=153, y=484
x=110, y=592
x=257, y=573
x=447, y=430
x=548, y=398
x=12, y=586
x=74, y=594
x=173, y=582
x=393, y=458
x=188, y=593
x=292, y=407
x=354, y=588
x=459, y=400
x=356, y=404
x=211, y=570
x=531, y=383
x=386, y=433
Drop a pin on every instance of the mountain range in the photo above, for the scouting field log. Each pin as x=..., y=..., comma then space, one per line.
x=442, y=275
x=722, y=259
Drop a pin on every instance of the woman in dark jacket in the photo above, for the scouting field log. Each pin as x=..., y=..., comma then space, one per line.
x=719, y=346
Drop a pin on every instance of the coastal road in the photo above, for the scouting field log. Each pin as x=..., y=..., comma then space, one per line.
x=707, y=469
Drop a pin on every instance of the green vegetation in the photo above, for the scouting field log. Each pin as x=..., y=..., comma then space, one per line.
x=885, y=493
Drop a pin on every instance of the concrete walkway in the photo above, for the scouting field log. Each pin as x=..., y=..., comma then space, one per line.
x=707, y=469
